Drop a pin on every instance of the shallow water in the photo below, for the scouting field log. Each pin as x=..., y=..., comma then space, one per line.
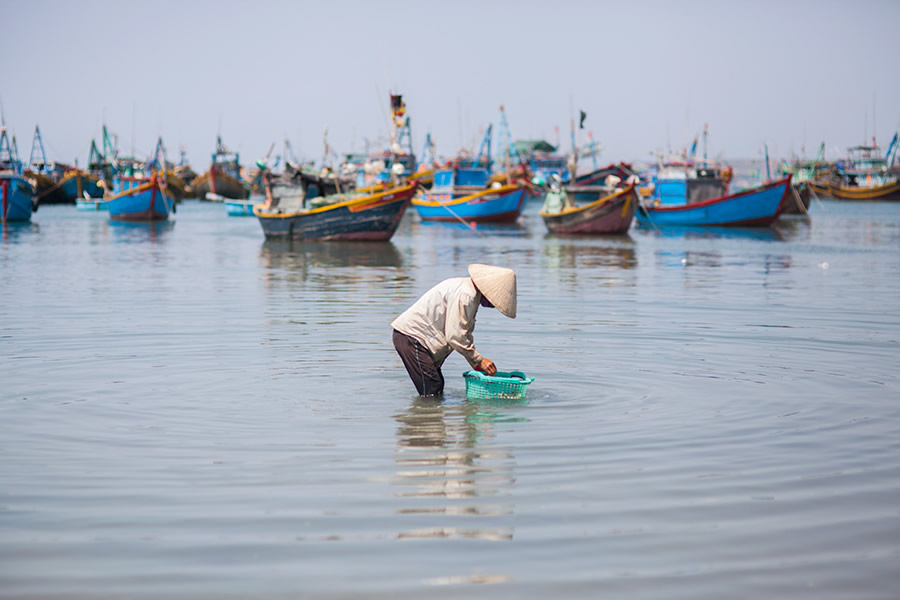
x=189, y=411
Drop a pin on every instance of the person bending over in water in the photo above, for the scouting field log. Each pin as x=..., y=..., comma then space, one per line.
x=443, y=319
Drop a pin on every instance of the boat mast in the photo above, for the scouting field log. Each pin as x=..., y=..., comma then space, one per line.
x=485, y=143
x=37, y=146
x=507, y=148
x=6, y=153
x=705, y=136
x=428, y=157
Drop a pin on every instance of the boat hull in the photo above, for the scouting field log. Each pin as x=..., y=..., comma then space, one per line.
x=91, y=204
x=887, y=192
x=790, y=203
x=756, y=207
x=17, y=200
x=503, y=205
x=370, y=218
x=611, y=214
x=46, y=190
x=219, y=183
x=145, y=202
x=75, y=184
x=240, y=208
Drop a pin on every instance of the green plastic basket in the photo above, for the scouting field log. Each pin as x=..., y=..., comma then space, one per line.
x=502, y=386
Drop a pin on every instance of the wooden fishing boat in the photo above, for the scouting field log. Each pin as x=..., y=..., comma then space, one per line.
x=76, y=183
x=17, y=200
x=42, y=175
x=596, y=177
x=351, y=216
x=18, y=197
x=804, y=174
x=819, y=188
x=137, y=199
x=492, y=205
x=755, y=207
x=223, y=179
x=464, y=193
x=611, y=212
x=798, y=199
x=888, y=191
x=86, y=188
x=865, y=175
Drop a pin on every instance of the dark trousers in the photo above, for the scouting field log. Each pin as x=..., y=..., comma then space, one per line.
x=419, y=363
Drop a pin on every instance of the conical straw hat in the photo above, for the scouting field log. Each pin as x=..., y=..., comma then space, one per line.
x=498, y=285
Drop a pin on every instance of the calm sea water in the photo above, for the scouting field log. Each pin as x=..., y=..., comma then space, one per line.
x=189, y=411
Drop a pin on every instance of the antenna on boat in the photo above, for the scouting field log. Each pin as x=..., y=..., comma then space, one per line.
x=874, y=122
x=133, y=125
x=705, y=136
x=384, y=113
x=459, y=119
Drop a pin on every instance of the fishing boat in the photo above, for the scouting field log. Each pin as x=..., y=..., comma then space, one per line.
x=140, y=199
x=803, y=176
x=865, y=175
x=92, y=204
x=242, y=208
x=395, y=161
x=76, y=184
x=464, y=193
x=18, y=200
x=611, y=211
x=85, y=187
x=43, y=175
x=586, y=186
x=349, y=216
x=223, y=179
x=186, y=174
x=755, y=207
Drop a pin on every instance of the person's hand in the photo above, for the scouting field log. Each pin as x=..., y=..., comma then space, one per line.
x=487, y=367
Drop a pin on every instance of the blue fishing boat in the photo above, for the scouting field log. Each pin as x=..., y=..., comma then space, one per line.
x=242, y=208
x=351, y=216
x=464, y=191
x=136, y=199
x=454, y=196
x=17, y=202
x=92, y=204
x=77, y=185
x=754, y=207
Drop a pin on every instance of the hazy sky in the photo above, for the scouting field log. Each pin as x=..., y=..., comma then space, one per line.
x=647, y=74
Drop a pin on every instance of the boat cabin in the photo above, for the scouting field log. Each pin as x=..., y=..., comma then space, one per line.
x=686, y=182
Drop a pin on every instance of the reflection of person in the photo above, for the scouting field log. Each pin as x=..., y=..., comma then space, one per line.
x=443, y=319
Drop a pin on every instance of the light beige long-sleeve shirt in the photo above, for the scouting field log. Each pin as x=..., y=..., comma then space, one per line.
x=443, y=319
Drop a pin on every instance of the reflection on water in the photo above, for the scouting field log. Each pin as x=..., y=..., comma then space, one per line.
x=296, y=254
x=454, y=228
x=703, y=260
x=449, y=464
x=793, y=228
x=763, y=234
x=13, y=230
x=132, y=232
x=610, y=251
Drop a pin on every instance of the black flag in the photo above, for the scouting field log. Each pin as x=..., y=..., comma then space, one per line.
x=581, y=122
